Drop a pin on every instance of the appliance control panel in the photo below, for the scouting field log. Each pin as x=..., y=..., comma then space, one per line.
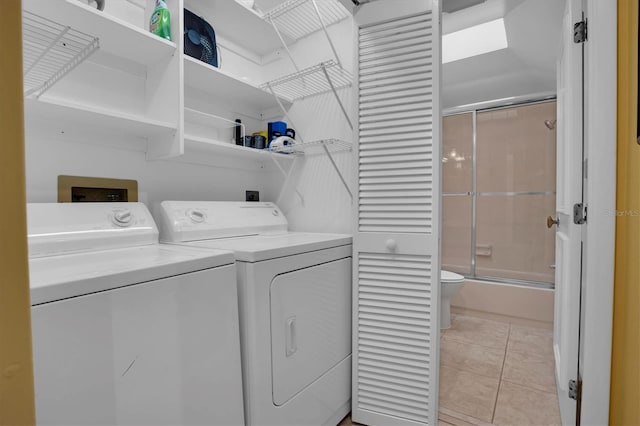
x=182, y=221
x=55, y=228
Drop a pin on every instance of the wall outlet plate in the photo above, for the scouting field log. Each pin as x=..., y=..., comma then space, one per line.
x=252, y=196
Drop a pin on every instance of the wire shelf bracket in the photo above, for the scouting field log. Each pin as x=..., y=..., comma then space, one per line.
x=322, y=78
x=300, y=149
x=51, y=51
x=295, y=19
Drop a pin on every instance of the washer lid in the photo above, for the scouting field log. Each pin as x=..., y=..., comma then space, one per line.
x=448, y=276
x=263, y=247
x=69, y=275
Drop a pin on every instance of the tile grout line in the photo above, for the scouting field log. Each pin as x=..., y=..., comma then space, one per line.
x=529, y=387
x=495, y=404
x=467, y=342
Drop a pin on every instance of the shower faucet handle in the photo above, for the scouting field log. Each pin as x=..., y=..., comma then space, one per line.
x=551, y=222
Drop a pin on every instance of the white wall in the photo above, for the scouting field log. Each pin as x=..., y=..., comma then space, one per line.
x=46, y=158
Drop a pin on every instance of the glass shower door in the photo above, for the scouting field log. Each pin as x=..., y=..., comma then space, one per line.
x=516, y=184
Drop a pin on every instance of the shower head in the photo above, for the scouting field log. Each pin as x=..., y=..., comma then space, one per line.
x=551, y=124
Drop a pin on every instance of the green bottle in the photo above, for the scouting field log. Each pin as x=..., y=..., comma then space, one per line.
x=160, y=23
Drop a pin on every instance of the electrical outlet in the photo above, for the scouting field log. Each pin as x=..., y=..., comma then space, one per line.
x=252, y=195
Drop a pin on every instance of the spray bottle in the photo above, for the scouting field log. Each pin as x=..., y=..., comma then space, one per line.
x=160, y=22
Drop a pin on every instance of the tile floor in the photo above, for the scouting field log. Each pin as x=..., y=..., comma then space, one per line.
x=495, y=372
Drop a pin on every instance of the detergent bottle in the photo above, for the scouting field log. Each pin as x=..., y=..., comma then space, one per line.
x=160, y=22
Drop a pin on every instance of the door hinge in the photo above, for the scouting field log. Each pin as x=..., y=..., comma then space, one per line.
x=574, y=389
x=580, y=32
x=579, y=214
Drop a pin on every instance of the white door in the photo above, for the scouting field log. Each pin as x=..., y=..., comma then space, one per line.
x=569, y=192
x=397, y=220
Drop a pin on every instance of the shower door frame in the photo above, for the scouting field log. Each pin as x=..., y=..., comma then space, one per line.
x=474, y=109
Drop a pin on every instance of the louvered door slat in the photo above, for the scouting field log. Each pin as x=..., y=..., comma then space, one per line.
x=371, y=374
x=396, y=283
x=397, y=114
x=402, y=316
x=382, y=174
x=406, y=100
x=423, y=177
x=393, y=142
x=396, y=42
x=423, y=63
x=392, y=382
x=406, y=280
x=395, y=88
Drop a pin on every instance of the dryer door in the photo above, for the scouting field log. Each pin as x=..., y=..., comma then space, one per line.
x=310, y=325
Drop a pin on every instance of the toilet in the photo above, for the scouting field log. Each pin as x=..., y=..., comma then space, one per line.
x=450, y=284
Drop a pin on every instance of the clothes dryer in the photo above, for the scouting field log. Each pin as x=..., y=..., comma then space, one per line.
x=126, y=330
x=295, y=307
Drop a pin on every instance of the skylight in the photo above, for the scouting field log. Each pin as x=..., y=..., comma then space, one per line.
x=472, y=41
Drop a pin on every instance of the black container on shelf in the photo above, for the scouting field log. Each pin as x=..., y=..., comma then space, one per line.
x=259, y=141
x=238, y=129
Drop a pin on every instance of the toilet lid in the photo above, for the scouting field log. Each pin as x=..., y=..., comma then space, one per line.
x=448, y=276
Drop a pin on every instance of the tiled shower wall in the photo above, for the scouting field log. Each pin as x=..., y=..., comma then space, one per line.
x=498, y=188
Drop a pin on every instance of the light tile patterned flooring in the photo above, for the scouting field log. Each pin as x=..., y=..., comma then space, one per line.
x=494, y=372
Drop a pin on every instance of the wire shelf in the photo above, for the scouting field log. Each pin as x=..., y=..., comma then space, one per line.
x=50, y=51
x=298, y=18
x=333, y=145
x=310, y=81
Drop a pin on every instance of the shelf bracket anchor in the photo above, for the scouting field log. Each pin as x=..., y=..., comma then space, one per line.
x=335, y=93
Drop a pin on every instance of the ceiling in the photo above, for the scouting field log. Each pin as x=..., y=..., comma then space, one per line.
x=526, y=67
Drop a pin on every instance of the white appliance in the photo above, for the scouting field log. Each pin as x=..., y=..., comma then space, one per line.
x=295, y=307
x=126, y=330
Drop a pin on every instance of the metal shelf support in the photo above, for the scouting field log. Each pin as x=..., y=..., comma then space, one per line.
x=326, y=33
x=335, y=166
x=298, y=19
x=335, y=94
x=51, y=51
x=301, y=149
x=284, y=44
x=286, y=175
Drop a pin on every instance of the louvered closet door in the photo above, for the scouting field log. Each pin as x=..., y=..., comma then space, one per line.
x=397, y=224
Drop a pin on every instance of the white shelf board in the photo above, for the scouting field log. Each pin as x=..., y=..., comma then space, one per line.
x=238, y=94
x=238, y=24
x=88, y=124
x=210, y=152
x=199, y=144
x=117, y=37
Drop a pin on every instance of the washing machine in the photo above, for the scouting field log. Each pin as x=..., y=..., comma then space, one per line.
x=125, y=330
x=294, y=294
